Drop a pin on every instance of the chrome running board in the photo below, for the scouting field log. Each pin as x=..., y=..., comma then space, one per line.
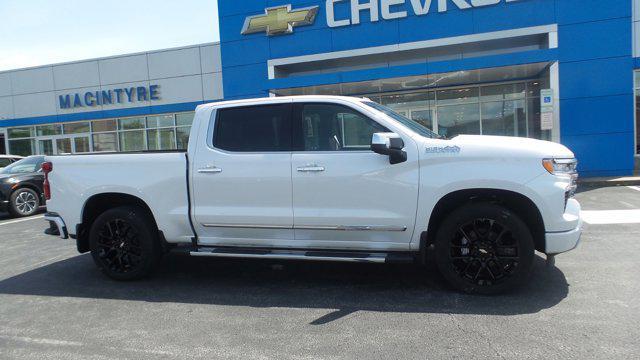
x=307, y=255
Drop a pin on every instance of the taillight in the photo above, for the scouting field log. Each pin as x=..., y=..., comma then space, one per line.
x=47, y=167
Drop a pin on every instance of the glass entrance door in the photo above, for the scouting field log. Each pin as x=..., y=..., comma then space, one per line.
x=46, y=147
x=60, y=145
x=63, y=146
x=81, y=144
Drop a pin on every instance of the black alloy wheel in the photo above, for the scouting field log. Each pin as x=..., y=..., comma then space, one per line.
x=119, y=247
x=484, y=252
x=484, y=248
x=124, y=243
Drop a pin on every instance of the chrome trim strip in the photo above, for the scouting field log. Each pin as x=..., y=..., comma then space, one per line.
x=248, y=226
x=371, y=259
x=566, y=161
x=315, y=227
x=62, y=228
x=353, y=228
x=213, y=170
x=311, y=168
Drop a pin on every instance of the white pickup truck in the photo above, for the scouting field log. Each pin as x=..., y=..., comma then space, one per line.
x=322, y=178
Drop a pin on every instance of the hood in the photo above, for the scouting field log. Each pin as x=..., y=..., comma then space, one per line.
x=16, y=176
x=511, y=146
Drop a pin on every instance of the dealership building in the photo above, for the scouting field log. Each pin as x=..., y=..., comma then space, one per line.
x=558, y=70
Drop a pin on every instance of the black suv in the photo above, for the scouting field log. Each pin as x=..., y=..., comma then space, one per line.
x=21, y=192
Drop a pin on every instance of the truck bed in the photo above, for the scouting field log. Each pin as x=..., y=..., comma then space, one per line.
x=158, y=178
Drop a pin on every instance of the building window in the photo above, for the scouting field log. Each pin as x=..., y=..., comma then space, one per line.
x=21, y=141
x=49, y=130
x=76, y=128
x=183, y=129
x=158, y=132
x=511, y=109
x=22, y=147
x=134, y=140
x=105, y=142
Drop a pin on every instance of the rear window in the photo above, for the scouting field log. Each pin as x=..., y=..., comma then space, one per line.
x=254, y=129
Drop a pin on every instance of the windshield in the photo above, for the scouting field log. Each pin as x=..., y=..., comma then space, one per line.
x=412, y=125
x=24, y=166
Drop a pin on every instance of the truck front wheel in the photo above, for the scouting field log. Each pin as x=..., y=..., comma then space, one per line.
x=124, y=243
x=484, y=248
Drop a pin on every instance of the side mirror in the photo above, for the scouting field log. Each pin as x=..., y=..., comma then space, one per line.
x=389, y=144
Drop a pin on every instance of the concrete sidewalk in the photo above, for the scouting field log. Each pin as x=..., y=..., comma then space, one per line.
x=610, y=181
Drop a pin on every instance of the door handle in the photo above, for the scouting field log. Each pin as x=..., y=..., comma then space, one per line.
x=210, y=170
x=311, y=168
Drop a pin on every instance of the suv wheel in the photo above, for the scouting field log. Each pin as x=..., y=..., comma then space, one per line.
x=124, y=243
x=24, y=202
x=484, y=248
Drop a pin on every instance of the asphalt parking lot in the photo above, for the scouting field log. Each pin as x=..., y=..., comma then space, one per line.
x=54, y=304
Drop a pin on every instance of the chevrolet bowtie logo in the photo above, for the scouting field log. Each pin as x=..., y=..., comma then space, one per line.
x=280, y=20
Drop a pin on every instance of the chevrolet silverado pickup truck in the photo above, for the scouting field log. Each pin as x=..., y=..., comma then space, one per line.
x=322, y=178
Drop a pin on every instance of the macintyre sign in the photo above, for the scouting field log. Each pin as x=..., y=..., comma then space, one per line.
x=110, y=97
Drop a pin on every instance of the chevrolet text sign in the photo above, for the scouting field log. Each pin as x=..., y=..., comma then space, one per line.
x=397, y=9
x=283, y=19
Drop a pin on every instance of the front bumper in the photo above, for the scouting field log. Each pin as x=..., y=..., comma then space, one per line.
x=56, y=220
x=4, y=205
x=559, y=242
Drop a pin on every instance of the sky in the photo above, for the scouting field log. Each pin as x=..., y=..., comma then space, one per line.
x=41, y=32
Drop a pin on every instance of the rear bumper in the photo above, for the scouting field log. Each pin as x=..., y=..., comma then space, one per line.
x=57, y=221
x=559, y=242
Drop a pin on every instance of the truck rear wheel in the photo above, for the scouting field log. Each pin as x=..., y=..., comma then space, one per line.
x=124, y=243
x=484, y=248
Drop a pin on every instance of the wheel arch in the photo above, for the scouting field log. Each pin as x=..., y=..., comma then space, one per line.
x=99, y=203
x=516, y=202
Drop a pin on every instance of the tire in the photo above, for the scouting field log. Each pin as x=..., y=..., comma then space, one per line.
x=124, y=243
x=24, y=202
x=484, y=248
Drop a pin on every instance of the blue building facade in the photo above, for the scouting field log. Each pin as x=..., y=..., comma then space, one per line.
x=459, y=66
x=559, y=70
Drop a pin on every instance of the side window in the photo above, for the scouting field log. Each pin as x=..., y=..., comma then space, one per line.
x=254, y=129
x=330, y=127
x=4, y=162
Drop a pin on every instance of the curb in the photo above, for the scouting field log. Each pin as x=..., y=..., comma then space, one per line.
x=609, y=182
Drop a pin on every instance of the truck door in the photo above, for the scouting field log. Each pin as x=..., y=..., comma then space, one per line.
x=242, y=177
x=345, y=195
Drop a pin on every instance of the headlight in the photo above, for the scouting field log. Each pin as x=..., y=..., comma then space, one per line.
x=561, y=166
x=565, y=168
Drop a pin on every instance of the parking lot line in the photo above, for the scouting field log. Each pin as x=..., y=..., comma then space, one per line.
x=21, y=220
x=636, y=188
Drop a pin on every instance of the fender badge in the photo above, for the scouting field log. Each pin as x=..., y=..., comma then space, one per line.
x=443, y=150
